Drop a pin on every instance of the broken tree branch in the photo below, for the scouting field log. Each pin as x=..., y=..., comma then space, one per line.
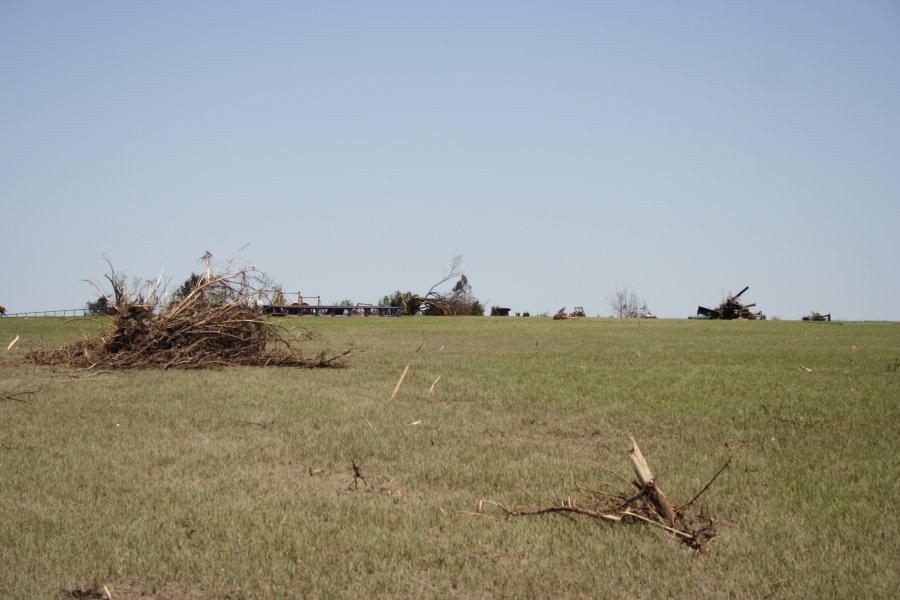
x=648, y=505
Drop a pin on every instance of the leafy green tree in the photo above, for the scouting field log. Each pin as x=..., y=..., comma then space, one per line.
x=461, y=300
x=408, y=302
x=185, y=289
x=100, y=306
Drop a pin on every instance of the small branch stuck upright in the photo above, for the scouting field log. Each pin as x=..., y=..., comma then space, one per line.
x=357, y=476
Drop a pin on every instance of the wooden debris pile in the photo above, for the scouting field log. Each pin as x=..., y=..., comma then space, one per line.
x=732, y=309
x=214, y=325
x=645, y=503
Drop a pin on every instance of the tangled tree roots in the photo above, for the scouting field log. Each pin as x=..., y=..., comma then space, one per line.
x=215, y=325
x=646, y=503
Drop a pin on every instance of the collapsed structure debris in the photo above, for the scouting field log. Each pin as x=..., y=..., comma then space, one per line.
x=562, y=316
x=814, y=316
x=214, y=325
x=646, y=503
x=731, y=308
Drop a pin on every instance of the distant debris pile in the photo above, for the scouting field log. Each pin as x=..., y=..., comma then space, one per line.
x=214, y=325
x=562, y=316
x=732, y=309
x=814, y=316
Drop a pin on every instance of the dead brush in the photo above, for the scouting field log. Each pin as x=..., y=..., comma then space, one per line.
x=215, y=325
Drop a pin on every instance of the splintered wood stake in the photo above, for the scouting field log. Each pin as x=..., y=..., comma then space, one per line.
x=641, y=468
x=434, y=384
x=399, y=382
x=645, y=478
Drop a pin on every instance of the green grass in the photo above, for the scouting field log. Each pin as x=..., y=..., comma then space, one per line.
x=234, y=483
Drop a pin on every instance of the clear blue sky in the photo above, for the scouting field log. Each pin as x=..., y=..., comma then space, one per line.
x=681, y=149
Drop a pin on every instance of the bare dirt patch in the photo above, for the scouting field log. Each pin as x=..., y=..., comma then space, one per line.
x=135, y=590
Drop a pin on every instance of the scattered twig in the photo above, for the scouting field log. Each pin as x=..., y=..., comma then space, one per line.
x=705, y=487
x=657, y=523
x=357, y=475
x=12, y=343
x=15, y=396
x=434, y=384
x=569, y=507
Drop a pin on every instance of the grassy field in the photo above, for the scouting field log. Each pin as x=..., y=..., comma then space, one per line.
x=237, y=483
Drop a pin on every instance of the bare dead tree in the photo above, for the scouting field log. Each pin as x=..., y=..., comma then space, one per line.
x=454, y=272
x=625, y=304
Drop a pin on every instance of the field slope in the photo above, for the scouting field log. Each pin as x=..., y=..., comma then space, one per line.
x=239, y=483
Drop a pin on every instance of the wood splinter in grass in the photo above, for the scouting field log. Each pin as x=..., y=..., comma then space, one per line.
x=399, y=382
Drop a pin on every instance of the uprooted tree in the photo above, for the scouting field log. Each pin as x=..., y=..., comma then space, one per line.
x=214, y=322
x=458, y=301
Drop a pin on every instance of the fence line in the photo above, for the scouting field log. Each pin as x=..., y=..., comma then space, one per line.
x=68, y=312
